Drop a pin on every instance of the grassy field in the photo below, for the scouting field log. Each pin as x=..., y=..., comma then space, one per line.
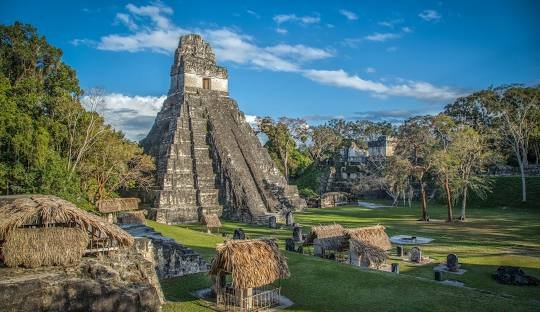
x=491, y=237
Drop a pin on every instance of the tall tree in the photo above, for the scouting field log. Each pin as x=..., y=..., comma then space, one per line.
x=324, y=143
x=514, y=110
x=416, y=144
x=444, y=164
x=472, y=155
x=280, y=139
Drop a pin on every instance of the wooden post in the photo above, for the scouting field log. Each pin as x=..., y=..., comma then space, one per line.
x=249, y=298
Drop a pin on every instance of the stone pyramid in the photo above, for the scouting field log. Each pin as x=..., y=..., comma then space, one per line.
x=208, y=158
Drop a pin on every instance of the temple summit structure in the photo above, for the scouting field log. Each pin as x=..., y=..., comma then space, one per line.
x=209, y=160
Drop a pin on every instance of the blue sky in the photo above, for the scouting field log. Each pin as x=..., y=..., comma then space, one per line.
x=311, y=59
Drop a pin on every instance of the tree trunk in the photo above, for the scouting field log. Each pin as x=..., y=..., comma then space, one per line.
x=522, y=160
x=523, y=182
x=424, y=203
x=286, y=165
x=411, y=194
x=463, y=204
x=448, y=199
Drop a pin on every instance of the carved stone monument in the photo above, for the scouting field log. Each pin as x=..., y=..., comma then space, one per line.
x=208, y=158
x=452, y=263
x=415, y=255
x=239, y=234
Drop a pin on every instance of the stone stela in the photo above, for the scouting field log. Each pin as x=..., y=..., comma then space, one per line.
x=208, y=158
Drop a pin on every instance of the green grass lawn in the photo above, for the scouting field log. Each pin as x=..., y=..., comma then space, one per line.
x=490, y=237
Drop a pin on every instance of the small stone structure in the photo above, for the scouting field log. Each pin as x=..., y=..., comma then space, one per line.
x=297, y=233
x=239, y=234
x=415, y=255
x=111, y=207
x=172, y=259
x=452, y=262
x=382, y=147
x=333, y=199
x=289, y=218
x=272, y=222
x=514, y=276
x=208, y=158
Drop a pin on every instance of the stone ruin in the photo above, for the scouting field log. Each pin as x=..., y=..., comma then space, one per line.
x=208, y=158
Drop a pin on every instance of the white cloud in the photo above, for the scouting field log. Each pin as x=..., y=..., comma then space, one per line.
x=133, y=115
x=348, y=14
x=161, y=35
x=406, y=29
x=430, y=15
x=299, y=51
x=127, y=21
x=390, y=23
x=281, y=30
x=283, y=18
x=391, y=49
x=381, y=37
x=352, y=42
x=370, y=70
x=253, y=13
x=83, y=42
x=417, y=89
x=154, y=31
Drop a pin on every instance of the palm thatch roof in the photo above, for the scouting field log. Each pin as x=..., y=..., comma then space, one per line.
x=35, y=247
x=211, y=220
x=252, y=263
x=375, y=256
x=325, y=232
x=374, y=236
x=51, y=211
x=117, y=204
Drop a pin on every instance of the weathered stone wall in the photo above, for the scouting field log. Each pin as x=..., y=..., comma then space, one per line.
x=121, y=282
x=208, y=158
x=171, y=259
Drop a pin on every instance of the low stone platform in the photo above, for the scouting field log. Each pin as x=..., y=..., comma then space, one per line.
x=172, y=258
x=120, y=281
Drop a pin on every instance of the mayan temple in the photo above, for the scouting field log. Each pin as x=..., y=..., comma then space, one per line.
x=208, y=158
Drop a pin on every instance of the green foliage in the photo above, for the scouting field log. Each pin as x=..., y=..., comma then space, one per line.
x=48, y=142
x=309, y=181
x=506, y=192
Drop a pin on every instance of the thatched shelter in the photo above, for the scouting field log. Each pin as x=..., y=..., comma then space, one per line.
x=112, y=206
x=368, y=246
x=327, y=237
x=27, y=222
x=35, y=247
x=252, y=264
x=211, y=221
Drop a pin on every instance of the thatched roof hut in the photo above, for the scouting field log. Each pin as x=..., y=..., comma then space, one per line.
x=252, y=263
x=374, y=236
x=328, y=237
x=211, y=220
x=325, y=231
x=35, y=247
x=368, y=246
x=117, y=204
x=44, y=211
